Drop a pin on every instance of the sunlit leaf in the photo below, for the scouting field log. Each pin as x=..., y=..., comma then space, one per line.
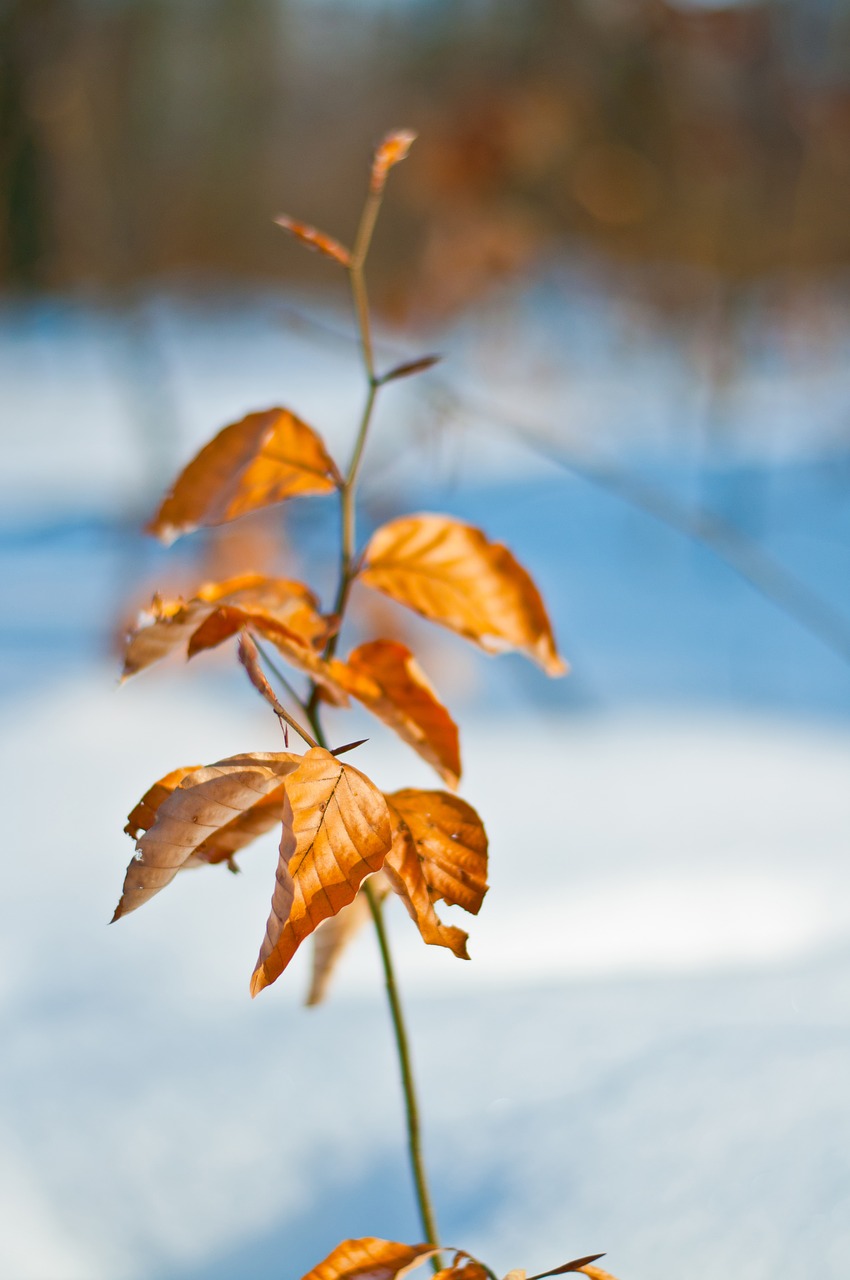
x=260, y=460
x=341, y=827
x=450, y=573
x=209, y=814
x=371, y=1259
x=515, y=1275
x=386, y=678
x=450, y=843
x=596, y=1273
x=314, y=239
x=333, y=936
x=251, y=599
x=390, y=151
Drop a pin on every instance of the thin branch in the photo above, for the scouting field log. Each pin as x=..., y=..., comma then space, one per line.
x=741, y=554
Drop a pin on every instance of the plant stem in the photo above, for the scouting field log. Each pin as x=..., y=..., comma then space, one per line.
x=423, y=1195
x=312, y=710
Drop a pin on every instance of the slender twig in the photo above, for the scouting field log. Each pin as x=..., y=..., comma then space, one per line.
x=282, y=712
x=426, y=1210
x=347, y=573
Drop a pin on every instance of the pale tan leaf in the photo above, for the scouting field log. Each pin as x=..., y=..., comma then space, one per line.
x=172, y=625
x=333, y=936
x=391, y=150
x=450, y=842
x=342, y=833
x=515, y=1275
x=371, y=1259
x=264, y=458
x=450, y=573
x=596, y=1273
x=315, y=239
x=386, y=678
x=209, y=814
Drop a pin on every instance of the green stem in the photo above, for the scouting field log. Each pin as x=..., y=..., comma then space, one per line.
x=312, y=709
x=414, y=1139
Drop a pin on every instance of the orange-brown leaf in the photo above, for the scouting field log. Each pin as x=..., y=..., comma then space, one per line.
x=371, y=1259
x=386, y=678
x=390, y=151
x=172, y=625
x=450, y=573
x=315, y=239
x=260, y=460
x=450, y=842
x=342, y=833
x=404, y=869
x=209, y=814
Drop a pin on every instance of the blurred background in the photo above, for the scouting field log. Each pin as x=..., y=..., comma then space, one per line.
x=625, y=226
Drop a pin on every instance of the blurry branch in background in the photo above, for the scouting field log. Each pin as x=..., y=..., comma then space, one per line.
x=742, y=554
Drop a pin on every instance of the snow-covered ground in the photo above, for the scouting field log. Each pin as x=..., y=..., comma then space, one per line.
x=649, y=1051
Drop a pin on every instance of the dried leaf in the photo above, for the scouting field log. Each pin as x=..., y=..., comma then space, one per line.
x=250, y=659
x=226, y=621
x=390, y=151
x=515, y=1275
x=260, y=460
x=371, y=1259
x=342, y=833
x=410, y=367
x=211, y=812
x=315, y=239
x=333, y=936
x=468, y=1271
x=450, y=573
x=386, y=678
x=171, y=625
x=450, y=842
x=578, y=1264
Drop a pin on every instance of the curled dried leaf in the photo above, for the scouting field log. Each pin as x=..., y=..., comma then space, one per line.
x=371, y=1259
x=249, y=600
x=315, y=239
x=387, y=679
x=250, y=660
x=342, y=833
x=209, y=814
x=452, y=574
x=263, y=459
x=450, y=844
x=390, y=151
